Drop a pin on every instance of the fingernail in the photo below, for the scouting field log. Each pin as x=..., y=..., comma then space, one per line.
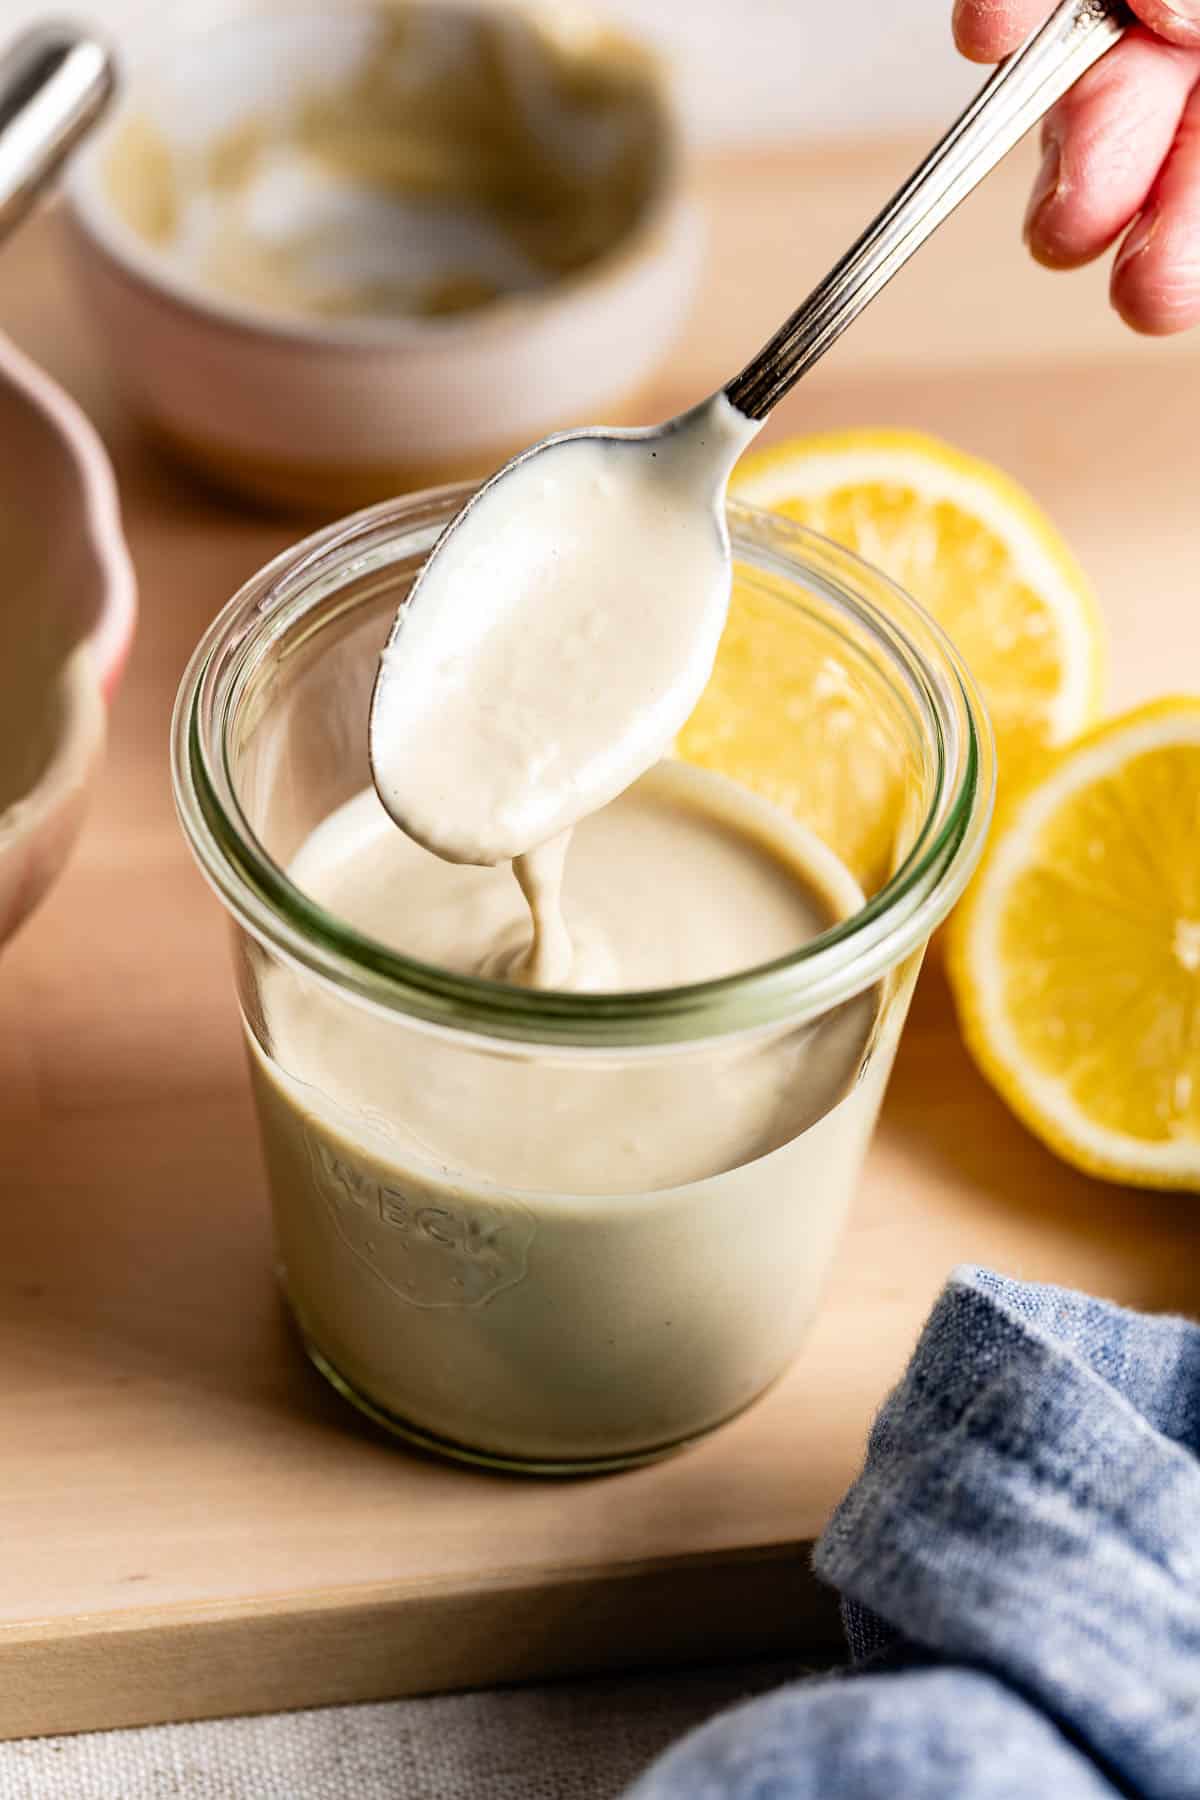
x=1184, y=12
x=1139, y=239
x=1044, y=188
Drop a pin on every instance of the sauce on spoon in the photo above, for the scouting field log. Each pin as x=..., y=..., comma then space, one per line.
x=554, y=645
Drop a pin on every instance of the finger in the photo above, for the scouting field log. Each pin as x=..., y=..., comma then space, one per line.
x=1176, y=20
x=986, y=30
x=1156, y=277
x=1103, y=146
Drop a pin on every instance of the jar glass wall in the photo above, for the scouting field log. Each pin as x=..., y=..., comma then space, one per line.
x=450, y=1265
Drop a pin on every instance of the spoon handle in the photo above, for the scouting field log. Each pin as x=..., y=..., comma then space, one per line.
x=1023, y=88
x=54, y=83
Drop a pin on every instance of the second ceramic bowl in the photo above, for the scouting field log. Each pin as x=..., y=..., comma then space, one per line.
x=66, y=624
x=334, y=409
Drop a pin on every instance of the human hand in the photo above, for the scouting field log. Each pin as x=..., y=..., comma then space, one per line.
x=1121, y=155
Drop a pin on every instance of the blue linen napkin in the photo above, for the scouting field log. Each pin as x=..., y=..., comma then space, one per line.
x=1019, y=1566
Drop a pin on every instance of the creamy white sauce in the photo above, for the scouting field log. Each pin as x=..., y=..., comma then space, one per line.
x=403, y=161
x=549, y=960
x=558, y=639
x=685, y=877
x=552, y=1255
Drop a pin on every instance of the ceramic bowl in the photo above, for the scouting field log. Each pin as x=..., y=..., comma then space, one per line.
x=335, y=411
x=66, y=622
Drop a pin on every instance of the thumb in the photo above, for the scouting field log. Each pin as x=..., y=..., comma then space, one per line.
x=986, y=30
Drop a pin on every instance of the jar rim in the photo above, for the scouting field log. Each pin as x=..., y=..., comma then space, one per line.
x=842, y=961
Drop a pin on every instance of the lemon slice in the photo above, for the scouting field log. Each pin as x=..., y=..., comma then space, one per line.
x=969, y=545
x=784, y=718
x=1075, y=958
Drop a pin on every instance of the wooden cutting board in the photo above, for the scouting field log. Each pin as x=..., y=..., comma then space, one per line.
x=190, y=1523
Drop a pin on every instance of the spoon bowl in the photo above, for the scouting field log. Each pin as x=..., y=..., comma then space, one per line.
x=596, y=573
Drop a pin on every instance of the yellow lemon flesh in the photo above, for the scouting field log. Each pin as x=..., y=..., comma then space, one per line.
x=969, y=545
x=972, y=547
x=786, y=719
x=1075, y=958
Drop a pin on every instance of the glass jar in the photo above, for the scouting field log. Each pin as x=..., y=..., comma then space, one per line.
x=493, y=1309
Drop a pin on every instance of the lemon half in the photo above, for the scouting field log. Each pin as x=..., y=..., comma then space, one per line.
x=974, y=549
x=1075, y=958
x=788, y=722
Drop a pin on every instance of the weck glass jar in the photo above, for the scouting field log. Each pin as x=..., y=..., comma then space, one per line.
x=464, y=1287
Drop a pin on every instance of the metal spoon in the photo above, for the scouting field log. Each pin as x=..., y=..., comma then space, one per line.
x=485, y=743
x=55, y=82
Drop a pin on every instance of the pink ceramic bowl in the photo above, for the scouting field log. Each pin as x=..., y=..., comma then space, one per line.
x=334, y=412
x=67, y=612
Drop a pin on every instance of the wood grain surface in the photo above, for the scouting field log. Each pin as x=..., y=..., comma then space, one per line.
x=189, y=1522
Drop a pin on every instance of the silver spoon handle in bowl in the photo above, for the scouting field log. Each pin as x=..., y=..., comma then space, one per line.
x=55, y=81
x=1021, y=91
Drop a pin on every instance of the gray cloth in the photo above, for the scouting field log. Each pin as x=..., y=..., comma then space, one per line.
x=575, y=1741
x=1019, y=1574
